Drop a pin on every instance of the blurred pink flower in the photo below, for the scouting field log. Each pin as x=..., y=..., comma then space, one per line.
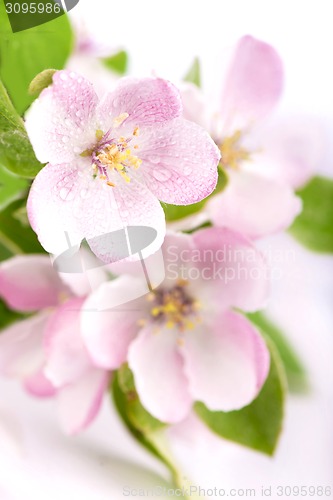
x=264, y=160
x=86, y=58
x=184, y=341
x=111, y=161
x=45, y=351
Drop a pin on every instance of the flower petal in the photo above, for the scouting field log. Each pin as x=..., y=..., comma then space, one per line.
x=109, y=320
x=232, y=272
x=38, y=385
x=254, y=82
x=254, y=205
x=21, y=347
x=86, y=275
x=79, y=206
x=290, y=148
x=30, y=283
x=147, y=101
x=179, y=162
x=54, y=206
x=111, y=209
x=159, y=376
x=226, y=365
x=79, y=403
x=195, y=107
x=67, y=358
x=61, y=122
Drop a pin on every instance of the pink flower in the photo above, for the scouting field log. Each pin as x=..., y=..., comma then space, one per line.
x=264, y=160
x=45, y=351
x=184, y=341
x=111, y=161
x=86, y=58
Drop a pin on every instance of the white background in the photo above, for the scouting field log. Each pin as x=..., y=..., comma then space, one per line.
x=38, y=462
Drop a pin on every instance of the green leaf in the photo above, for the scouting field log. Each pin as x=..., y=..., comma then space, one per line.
x=313, y=228
x=194, y=74
x=16, y=153
x=25, y=54
x=296, y=376
x=7, y=316
x=176, y=212
x=41, y=82
x=4, y=252
x=145, y=428
x=136, y=413
x=11, y=187
x=15, y=236
x=141, y=425
x=117, y=63
x=257, y=426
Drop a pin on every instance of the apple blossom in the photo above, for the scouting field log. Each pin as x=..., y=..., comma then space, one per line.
x=264, y=159
x=184, y=341
x=110, y=162
x=86, y=58
x=45, y=351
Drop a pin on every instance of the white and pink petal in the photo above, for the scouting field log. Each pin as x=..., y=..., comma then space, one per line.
x=112, y=209
x=146, y=101
x=79, y=403
x=66, y=357
x=61, y=123
x=290, y=149
x=21, y=347
x=226, y=364
x=54, y=206
x=30, y=283
x=159, y=374
x=232, y=272
x=109, y=320
x=39, y=386
x=254, y=205
x=253, y=84
x=179, y=162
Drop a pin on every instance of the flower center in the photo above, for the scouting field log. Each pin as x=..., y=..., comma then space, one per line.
x=117, y=157
x=175, y=307
x=113, y=156
x=232, y=153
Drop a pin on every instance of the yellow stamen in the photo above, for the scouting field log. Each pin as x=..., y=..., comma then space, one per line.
x=232, y=153
x=175, y=308
x=120, y=119
x=99, y=134
x=118, y=159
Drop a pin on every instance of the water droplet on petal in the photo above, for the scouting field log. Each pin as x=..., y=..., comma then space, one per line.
x=65, y=138
x=161, y=174
x=66, y=194
x=63, y=76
